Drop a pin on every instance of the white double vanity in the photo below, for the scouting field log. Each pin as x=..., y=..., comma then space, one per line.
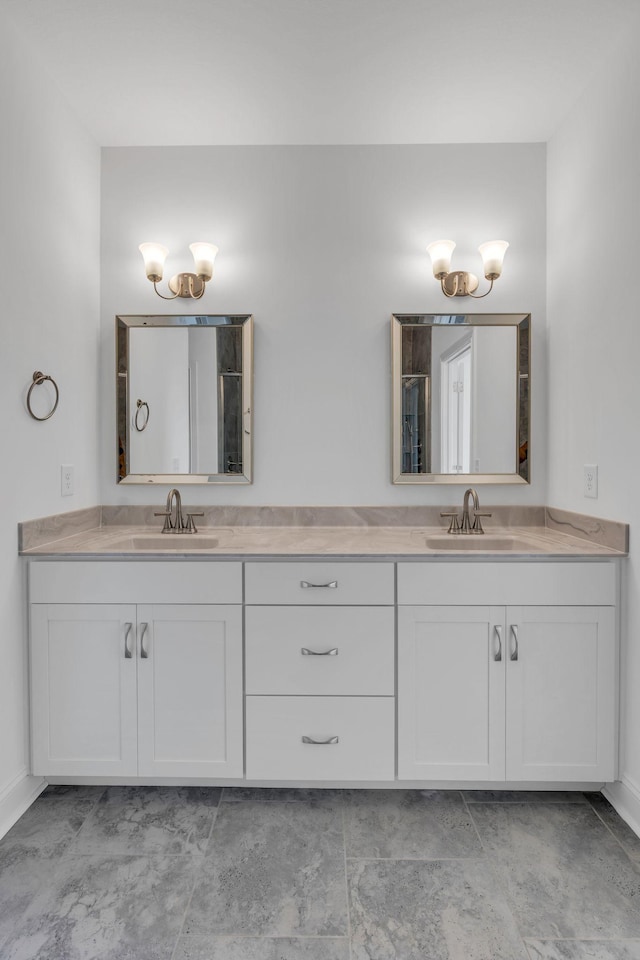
x=323, y=656
x=328, y=646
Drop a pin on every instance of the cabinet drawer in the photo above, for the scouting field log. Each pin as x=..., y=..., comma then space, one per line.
x=468, y=583
x=319, y=583
x=163, y=581
x=331, y=651
x=363, y=726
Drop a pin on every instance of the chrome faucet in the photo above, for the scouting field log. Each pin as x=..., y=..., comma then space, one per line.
x=174, y=522
x=466, y=526
x=174, y=500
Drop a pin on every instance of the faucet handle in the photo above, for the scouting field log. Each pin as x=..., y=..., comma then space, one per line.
x=166, y=528
x=190, y=526
x=477, y=523
x=454, y=526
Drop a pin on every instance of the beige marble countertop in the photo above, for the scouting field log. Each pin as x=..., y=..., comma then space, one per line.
x=129, y=541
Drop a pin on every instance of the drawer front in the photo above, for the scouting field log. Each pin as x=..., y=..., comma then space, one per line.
x=468, y=583
x=315, y=583
x=363, y=726
x=163, y=581
x=337, y=651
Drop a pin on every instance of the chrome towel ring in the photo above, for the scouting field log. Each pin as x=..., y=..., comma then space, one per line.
x=140, y=404
x=39, y=378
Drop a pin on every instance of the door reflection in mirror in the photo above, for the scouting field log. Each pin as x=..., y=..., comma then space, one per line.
x=455, y=395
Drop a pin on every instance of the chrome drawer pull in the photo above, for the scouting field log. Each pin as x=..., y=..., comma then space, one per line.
x=514, y=633
x=144, y=653
x=319, y=653
x=128, y=653
x=320, y=743
x=331, y=586
x=498, y=655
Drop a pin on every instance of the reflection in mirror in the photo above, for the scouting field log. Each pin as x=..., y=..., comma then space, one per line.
x=461, y=398
x=184, y=399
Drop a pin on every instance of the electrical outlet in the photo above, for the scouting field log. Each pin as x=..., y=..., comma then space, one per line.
x=66, y=479
x=591, y=480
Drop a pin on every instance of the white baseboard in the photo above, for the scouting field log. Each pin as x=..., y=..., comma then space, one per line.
x=624, y=796
x=17, y=797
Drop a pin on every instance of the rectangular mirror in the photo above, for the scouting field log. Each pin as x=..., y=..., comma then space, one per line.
x=184, y=399
x=461, y=407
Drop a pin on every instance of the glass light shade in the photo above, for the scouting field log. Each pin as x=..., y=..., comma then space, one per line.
x=492, y=253
x=154, y=255
x=440, y=252
x=204, y=254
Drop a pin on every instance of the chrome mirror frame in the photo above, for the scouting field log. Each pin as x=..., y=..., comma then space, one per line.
x=126, y=404
x=522, y=321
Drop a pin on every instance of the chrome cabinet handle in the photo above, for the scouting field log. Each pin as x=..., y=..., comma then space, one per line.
x=128, y=652
x=331, y=586
x=321, y=743
x=319, y=653
x=498, y=632
x=514, y=634
x=144, y=653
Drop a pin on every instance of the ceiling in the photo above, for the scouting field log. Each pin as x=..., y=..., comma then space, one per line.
x=162, y=72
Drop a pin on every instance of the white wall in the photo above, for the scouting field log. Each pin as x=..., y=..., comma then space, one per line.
x=159, y=376
x=594, y=339
x=49, y=197
x=495, y=391
x=322, y=244
x=203, y=358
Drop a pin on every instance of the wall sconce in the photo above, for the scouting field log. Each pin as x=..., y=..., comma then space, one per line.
x=459, y=283
x=183, y=284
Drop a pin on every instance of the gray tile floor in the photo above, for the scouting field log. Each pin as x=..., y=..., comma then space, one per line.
x=189, y=873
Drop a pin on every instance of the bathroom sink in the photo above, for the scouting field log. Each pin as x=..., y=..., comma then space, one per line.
x=479, y=542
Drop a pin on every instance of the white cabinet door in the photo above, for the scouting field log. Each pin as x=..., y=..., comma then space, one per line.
x=83, y=689
x=561, y=682
x=190, y=690
x=451, y=691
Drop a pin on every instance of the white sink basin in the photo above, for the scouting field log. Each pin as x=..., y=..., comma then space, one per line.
x=479, y=542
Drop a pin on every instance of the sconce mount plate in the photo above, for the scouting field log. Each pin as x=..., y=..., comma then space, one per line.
x=460, y=283
x=182, y=281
